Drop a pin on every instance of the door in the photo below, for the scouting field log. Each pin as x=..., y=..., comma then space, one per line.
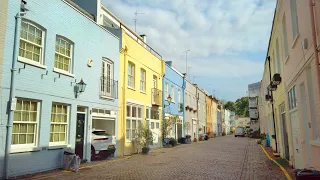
x=296, y=140
x=80, y=134
x=305, y=121
x=285, y=132
x=179, y=130
x=194, y=128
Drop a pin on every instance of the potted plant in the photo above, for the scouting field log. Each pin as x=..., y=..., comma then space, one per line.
x=144, y=137
x=263, y=139
x=214, y=135
x=173, y=142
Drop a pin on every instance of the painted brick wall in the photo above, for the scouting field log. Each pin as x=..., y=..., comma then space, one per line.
x=90, y=42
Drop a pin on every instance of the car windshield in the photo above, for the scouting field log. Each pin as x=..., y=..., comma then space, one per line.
x=101, y=133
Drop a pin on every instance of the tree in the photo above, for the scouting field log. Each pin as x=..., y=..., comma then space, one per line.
x=144, y=135
x=168, y=124
x=242, y=106
x=230, y=106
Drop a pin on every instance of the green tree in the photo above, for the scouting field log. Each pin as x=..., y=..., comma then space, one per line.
x=230, y=106
x=242, y=106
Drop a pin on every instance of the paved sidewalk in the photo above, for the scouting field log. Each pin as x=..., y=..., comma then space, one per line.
x=219, y=158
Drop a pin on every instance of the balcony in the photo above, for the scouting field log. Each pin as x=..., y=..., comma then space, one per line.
x=108, y=88
x=156, y=97
x=180, y=107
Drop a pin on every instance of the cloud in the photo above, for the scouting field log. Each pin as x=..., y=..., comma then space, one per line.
x=228, y=39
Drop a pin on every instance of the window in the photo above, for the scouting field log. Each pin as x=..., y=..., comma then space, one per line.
x=167, y=90
x=285, y=36
x=278, y=56
x=59, y=124
x=157, y=125
x=152, y=125
x=294, y=18
x=107, y=78
x=63, y=55
x=31, y=43
x=172, y=93
x=142, y=80
x=134, y=118
x=274, y=63
x=292, y=98
x=131, y=77
x=25, y=123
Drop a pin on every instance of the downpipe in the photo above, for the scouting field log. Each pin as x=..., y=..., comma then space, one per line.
x=12, y=99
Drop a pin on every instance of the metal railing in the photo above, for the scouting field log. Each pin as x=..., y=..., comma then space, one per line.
x=156, y=97
x=108, y=88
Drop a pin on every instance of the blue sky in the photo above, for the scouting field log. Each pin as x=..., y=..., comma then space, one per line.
x=228, y=39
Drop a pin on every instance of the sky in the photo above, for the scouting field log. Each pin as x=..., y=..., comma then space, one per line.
x=227, y=39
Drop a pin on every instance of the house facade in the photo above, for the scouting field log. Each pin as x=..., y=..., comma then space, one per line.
x=190, y=101
x=55, y=111
x=293, y=56
x=201, y=110
x=209, y=114
x=173, y=86
x=227, y=114
x=219, y=120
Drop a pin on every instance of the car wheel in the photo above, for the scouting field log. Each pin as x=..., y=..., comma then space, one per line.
x=93, y=153
x=235, y=135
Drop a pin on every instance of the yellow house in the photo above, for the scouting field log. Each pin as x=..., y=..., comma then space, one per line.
x=140, y=94
x=276, y=123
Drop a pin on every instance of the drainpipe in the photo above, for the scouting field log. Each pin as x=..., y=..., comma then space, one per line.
x=12, y=95
x=183, y=106
x=274, y=121
x=163, y=108
x=314, y=38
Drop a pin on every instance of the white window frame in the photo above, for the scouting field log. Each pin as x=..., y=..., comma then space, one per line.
x=109, y=80
x=67, y=125
x=150, y=120
x=294, y=19
x=143, y=80
x=278, y=56
x=167, y=90
x=285, y=36
x=41, y=55
x=131, y=77
x=130, y=118
x=62, y=71
x=179, y=98
x=172, y=94
x=14, y=147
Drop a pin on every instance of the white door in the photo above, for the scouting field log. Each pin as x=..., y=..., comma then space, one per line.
x=296, y=140
x=154, y=124
x=194, y=128
x=305, y=119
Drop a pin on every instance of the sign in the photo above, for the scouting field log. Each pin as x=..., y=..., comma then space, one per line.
x=90, y=62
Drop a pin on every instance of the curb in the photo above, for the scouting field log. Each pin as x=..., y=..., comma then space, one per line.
x=284, y=171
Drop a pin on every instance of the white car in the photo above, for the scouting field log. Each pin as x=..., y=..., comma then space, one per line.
x=101, y=143
x=239, y=132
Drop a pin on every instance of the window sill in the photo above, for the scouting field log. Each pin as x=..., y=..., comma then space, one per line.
x=143, y=92
x=315, y=143
x=295, y=40
x=62, y=146
x=63, y=72
x=30, y=62
x=107, y=98
x=287, y=58
x=25, y=149
x=131, y=88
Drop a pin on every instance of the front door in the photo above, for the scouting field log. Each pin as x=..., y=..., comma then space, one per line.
x=80, y=134
x=285, y=132
x=296, y=140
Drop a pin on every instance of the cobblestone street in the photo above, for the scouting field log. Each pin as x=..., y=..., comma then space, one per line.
x=219, y=158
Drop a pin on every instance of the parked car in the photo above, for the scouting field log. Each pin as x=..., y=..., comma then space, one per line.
x=101, y=143
x=239, y=132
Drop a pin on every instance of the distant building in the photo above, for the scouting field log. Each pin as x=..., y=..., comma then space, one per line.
x=253, y=93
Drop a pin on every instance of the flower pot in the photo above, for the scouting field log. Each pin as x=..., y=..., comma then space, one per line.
x=145, y=150
x=195, y=140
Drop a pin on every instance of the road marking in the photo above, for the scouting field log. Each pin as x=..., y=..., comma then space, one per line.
x=280, y=166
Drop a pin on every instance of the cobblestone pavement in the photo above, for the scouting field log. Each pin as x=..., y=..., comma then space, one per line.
x=218, y=158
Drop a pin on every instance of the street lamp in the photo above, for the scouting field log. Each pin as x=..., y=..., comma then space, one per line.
x=80, y=87
x=169, y=99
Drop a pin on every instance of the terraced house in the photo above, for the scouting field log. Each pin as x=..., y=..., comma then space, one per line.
x=291, y=83
x=63, y=81
x=173, y=88
x=190, y=102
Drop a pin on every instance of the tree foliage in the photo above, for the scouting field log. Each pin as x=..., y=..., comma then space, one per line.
x=168, y=124
x=230, y=106
x=144, y=135
x=242, y=106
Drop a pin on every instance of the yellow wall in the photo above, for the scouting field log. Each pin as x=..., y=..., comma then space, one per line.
x=135, y=53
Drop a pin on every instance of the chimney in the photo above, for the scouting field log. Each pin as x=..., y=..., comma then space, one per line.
x=144, y=37
x=169, y=63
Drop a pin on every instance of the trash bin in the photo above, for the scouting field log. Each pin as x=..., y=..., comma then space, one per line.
x=183, y=140
x=188, y=139
x=306, y=174
x=67, y=159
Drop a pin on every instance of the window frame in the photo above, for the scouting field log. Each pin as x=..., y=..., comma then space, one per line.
x=62, y=71
x=143, y=80
x=66, y=142
x=42, y=47
x=172, y=93
x=167, y=90
x=131, y=119
x=15, y=147
x=131, y=77
x=104, y=70
x=285, y=36
x=294, y=19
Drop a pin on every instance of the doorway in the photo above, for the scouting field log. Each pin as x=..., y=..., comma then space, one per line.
x=285, y=131
x=80, y=132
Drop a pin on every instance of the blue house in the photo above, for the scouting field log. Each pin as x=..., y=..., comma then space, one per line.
x=173, y=86
x=64, y=85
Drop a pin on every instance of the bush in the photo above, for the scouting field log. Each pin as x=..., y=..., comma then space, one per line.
x=223, y=134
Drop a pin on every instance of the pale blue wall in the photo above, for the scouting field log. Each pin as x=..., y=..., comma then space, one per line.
x=90, y=42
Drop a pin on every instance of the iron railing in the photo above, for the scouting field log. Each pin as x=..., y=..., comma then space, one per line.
x=108, y=88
